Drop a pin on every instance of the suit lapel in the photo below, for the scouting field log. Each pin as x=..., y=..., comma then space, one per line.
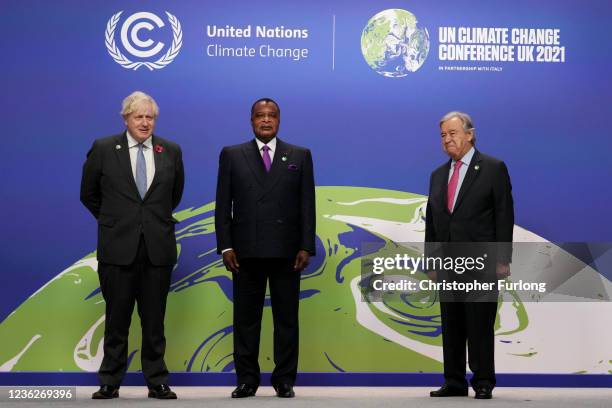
x=159, y=159
x=254, y=161
x=444, y=186
x=470, y=176
x=282, y=151
x=123, y=155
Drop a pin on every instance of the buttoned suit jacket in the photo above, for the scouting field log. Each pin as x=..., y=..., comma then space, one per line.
x=109, y=192
x=484, y=209
x=265, y=214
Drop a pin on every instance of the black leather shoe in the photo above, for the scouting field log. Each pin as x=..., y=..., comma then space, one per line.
x=106, y=392
x=161, y=391
x=244, y=390
x=447, y=391
x=483, y=393
x=284, y=390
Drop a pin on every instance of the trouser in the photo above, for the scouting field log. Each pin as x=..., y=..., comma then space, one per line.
x=471, y=322
x=146, y=285
x=249, y=298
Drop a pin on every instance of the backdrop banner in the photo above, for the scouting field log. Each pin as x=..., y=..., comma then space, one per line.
x=363, y=85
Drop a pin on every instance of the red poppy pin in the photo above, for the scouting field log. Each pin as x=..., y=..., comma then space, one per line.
x=159, y=148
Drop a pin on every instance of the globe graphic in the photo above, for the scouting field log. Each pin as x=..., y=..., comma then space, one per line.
x=60, y=327
x=392, y=43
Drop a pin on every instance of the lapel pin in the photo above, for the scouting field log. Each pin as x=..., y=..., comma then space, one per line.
x=159, y=148
x=284, y=158
x=118, y=147
x=476, y=167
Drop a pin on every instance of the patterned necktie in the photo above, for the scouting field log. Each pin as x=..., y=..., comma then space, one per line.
x=452, y=186
x=266, y=158
x=141, y=171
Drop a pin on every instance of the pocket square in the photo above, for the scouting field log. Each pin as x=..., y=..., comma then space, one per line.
x=292, y=167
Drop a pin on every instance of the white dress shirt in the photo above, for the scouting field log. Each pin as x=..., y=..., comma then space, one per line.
x=465, y=160
x=271, y=144
x=147, y=150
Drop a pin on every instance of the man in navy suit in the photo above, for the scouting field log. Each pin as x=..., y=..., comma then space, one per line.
x=265, y=227
x=470, y=201
x=131, y=183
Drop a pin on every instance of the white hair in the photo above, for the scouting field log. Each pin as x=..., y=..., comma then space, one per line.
x=466, y=120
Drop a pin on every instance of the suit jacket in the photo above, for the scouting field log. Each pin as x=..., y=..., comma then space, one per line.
x=109, y=191
x=261, y=214
x=483, y=212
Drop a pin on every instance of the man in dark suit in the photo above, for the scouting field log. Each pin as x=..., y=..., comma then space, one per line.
x=470, y=201
x=131, y=183
x=265, y=226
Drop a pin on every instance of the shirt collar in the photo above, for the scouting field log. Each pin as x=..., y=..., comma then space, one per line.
x=133, y=142
x=467, y=158
x=271, y=144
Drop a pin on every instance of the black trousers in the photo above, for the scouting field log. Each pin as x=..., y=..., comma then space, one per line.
x=471, y=322
x=249, y=295
x=122, y=286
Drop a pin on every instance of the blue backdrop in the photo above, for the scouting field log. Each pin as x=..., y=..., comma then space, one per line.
x=61, y=89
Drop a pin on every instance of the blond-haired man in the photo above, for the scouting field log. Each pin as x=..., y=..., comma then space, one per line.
x=131, y=183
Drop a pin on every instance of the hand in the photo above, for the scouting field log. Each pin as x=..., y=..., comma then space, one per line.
x=301, y=261
x=502, y=270
x=432, y=275
x=230, y=261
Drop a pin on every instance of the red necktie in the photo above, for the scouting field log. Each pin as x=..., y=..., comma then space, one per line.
x=452, y=186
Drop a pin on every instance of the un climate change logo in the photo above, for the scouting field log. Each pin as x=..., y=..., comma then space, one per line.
x=393, y=45
x=142, y=49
